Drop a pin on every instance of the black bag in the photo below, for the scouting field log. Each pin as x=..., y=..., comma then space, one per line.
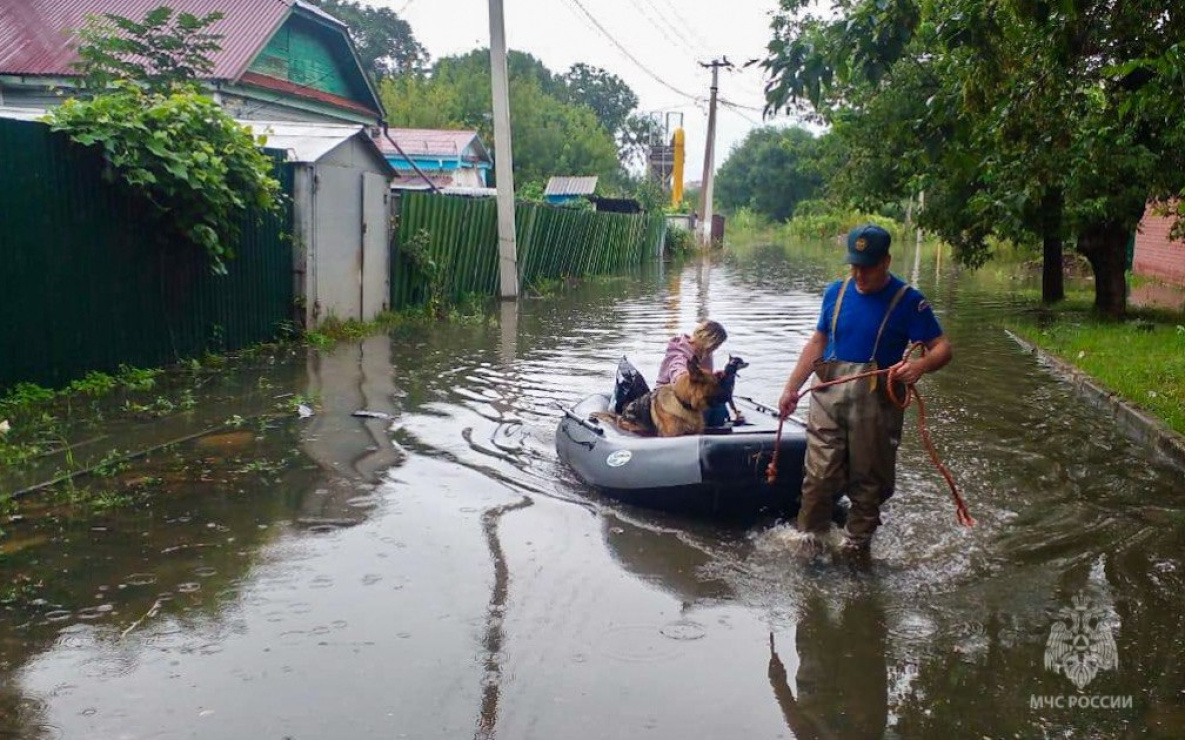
x=630, y=385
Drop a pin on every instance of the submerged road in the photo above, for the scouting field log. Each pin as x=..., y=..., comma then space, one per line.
x=433, y=571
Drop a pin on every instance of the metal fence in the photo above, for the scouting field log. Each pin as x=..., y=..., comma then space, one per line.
x=86, y=282
x=461, y=235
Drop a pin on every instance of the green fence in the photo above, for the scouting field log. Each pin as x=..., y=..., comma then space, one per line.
x=85, y=285
x=552, y=243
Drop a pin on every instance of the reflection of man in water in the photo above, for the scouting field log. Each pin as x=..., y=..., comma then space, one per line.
x=842, y=678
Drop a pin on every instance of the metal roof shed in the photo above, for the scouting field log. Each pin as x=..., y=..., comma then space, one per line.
x=341, y=214
x=566, y=189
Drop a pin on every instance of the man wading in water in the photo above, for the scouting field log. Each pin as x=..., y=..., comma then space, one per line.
x=853, y=429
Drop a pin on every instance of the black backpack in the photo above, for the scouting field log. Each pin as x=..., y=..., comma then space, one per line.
x=629, y=386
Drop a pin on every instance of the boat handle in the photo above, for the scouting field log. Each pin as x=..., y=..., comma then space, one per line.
x=594, y=428
x=768, y=410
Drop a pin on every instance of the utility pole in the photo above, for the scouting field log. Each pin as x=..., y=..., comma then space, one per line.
x=507, y=244
x=710, y=149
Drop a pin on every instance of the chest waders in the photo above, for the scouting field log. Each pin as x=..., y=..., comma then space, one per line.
x=853, y=430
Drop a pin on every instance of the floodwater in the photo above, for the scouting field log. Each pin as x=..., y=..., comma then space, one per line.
x=434, y=572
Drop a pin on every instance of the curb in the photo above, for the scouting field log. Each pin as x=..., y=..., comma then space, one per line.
x=1139, y=425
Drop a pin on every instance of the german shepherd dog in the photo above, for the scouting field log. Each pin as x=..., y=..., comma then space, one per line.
x=671, y=410
x=728, y=381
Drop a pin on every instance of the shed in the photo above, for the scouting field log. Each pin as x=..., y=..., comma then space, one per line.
x=562, y=190
x=341, y=193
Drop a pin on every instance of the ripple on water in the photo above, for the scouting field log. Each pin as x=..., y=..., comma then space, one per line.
x=140, y=579
x=683, y=629
x=95, y=612
x=639, y=643
x=109, y=665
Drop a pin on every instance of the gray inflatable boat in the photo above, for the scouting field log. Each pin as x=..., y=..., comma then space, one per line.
x=719, y=473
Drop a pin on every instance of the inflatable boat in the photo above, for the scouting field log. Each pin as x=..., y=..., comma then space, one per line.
x=722, y=472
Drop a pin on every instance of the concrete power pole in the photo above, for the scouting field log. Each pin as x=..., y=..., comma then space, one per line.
x=507, y=243
x=710, y=150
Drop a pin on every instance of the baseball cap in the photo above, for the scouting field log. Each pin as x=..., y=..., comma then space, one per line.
x=867, y=245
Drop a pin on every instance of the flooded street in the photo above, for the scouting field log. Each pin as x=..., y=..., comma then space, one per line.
x=433, y=571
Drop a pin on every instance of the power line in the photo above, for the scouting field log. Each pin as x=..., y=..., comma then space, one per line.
x=734, y=110
x=731, y=104
x=699, y=40
x=690, y=47
x=626, y=52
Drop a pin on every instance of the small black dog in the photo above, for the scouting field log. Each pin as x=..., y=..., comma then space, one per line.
x=728, y=381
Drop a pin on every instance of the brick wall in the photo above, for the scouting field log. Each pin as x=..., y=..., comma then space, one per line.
x=1155, y=256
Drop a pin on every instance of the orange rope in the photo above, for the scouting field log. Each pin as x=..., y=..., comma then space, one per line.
x=961, y=512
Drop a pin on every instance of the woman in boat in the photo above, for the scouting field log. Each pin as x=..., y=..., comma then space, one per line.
x=702, y=342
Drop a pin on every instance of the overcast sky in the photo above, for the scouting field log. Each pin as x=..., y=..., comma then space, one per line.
x=666, y=37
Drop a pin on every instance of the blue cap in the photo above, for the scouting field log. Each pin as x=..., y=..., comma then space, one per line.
x=867, y=245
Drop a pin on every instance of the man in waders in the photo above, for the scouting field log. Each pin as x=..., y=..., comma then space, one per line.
x=853, y=429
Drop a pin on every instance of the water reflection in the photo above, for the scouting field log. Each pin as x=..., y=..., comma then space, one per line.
x=433, y=613
x=842, y=684
x=349, y=438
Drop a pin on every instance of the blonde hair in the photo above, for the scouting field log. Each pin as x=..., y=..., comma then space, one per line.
x=709, y=335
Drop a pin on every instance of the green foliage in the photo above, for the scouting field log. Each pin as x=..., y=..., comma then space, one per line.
x=1017, y=120
x=198, y=169
x=530, y=192
x=678, y=242
x=1141, y=360
x=556, y=130
x=159, y=51
x=385, y=44
x=418, y=254
x=770, y=172
x=606, y=94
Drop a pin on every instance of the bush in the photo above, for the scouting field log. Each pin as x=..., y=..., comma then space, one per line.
x=678, y=242
x=198, y=168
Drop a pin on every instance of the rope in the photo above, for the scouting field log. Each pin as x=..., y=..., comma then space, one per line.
x=911, y=392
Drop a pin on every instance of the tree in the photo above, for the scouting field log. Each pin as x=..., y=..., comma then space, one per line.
x=198, y=170
x=551, y=136
x=609, y=97
x=158, y=51
x=1019, y=116
x=634, y=141
x=771, y=171
x=384, y=41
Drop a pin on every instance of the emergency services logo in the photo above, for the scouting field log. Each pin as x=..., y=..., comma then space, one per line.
x=1080, y=643
x=861, y=244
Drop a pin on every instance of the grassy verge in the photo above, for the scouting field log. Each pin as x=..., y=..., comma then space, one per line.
x=1142, y=358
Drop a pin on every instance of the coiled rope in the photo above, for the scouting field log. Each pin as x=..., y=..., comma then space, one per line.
x=911, y=392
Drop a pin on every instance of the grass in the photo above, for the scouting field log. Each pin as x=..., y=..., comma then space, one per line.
x=1141, y=358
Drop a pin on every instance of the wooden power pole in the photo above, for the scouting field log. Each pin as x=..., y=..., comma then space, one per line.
x=507, y=243
x=710, y=150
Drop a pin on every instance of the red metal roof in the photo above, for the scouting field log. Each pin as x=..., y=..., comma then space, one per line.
x=272, y=83
x=432, y=142
x=35, y=34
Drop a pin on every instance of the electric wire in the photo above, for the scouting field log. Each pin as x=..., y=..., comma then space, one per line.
x=660, y=22
x=609, y=36
x=698, y=41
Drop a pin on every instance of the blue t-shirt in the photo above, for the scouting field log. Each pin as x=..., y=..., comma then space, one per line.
x=861, y=315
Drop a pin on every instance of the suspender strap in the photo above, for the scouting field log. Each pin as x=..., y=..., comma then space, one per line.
x=888, y=312
x=835, y=313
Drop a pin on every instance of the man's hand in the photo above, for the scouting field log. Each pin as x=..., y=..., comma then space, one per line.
x=788, y=402
x=907, y=371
